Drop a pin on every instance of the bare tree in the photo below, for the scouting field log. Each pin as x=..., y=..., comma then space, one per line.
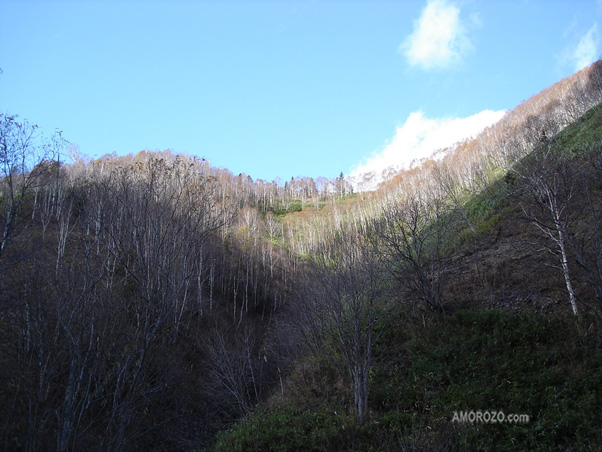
x=453, y=190
x=343, y=306
x=411, y=237
x=22, y=149
x=585, y=242
x=547, y=202
x=235, y=363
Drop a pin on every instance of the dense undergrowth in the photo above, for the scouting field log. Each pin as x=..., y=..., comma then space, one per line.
x=428, y=369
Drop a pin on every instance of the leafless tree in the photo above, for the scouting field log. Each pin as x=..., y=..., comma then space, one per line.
x=22, y=150
x=453, y=191
x=236, y=363
x=343, y=306
x=411, y=237
x=585, y=242
x=547, y=202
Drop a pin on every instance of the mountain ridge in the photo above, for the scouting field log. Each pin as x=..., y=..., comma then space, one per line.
x=149, y=302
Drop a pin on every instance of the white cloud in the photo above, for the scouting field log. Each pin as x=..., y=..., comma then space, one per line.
x=586, y=51
x=476, y=20
x=439, y=39
x=418, y=138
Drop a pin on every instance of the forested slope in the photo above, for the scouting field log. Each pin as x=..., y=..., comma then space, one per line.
x=510, y=353
x=149, y=301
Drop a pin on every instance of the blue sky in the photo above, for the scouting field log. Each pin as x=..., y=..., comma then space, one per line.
x=283, y=88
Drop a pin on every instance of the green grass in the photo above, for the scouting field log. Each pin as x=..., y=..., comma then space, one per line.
x=424, y=372
x=581, y=140
x=288, y=430
x=585, y=134
x=491, y=360
x=281, y=210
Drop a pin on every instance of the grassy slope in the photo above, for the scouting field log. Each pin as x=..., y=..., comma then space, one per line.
x=525, y=360
x=424, y=372
x=504, y=266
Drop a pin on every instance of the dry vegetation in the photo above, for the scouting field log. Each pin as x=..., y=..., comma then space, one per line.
x=150, y=301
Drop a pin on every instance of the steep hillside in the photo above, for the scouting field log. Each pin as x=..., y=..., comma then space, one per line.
x=511, y=346
x=149, y=301
x=512, y=262
x=426, y=371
